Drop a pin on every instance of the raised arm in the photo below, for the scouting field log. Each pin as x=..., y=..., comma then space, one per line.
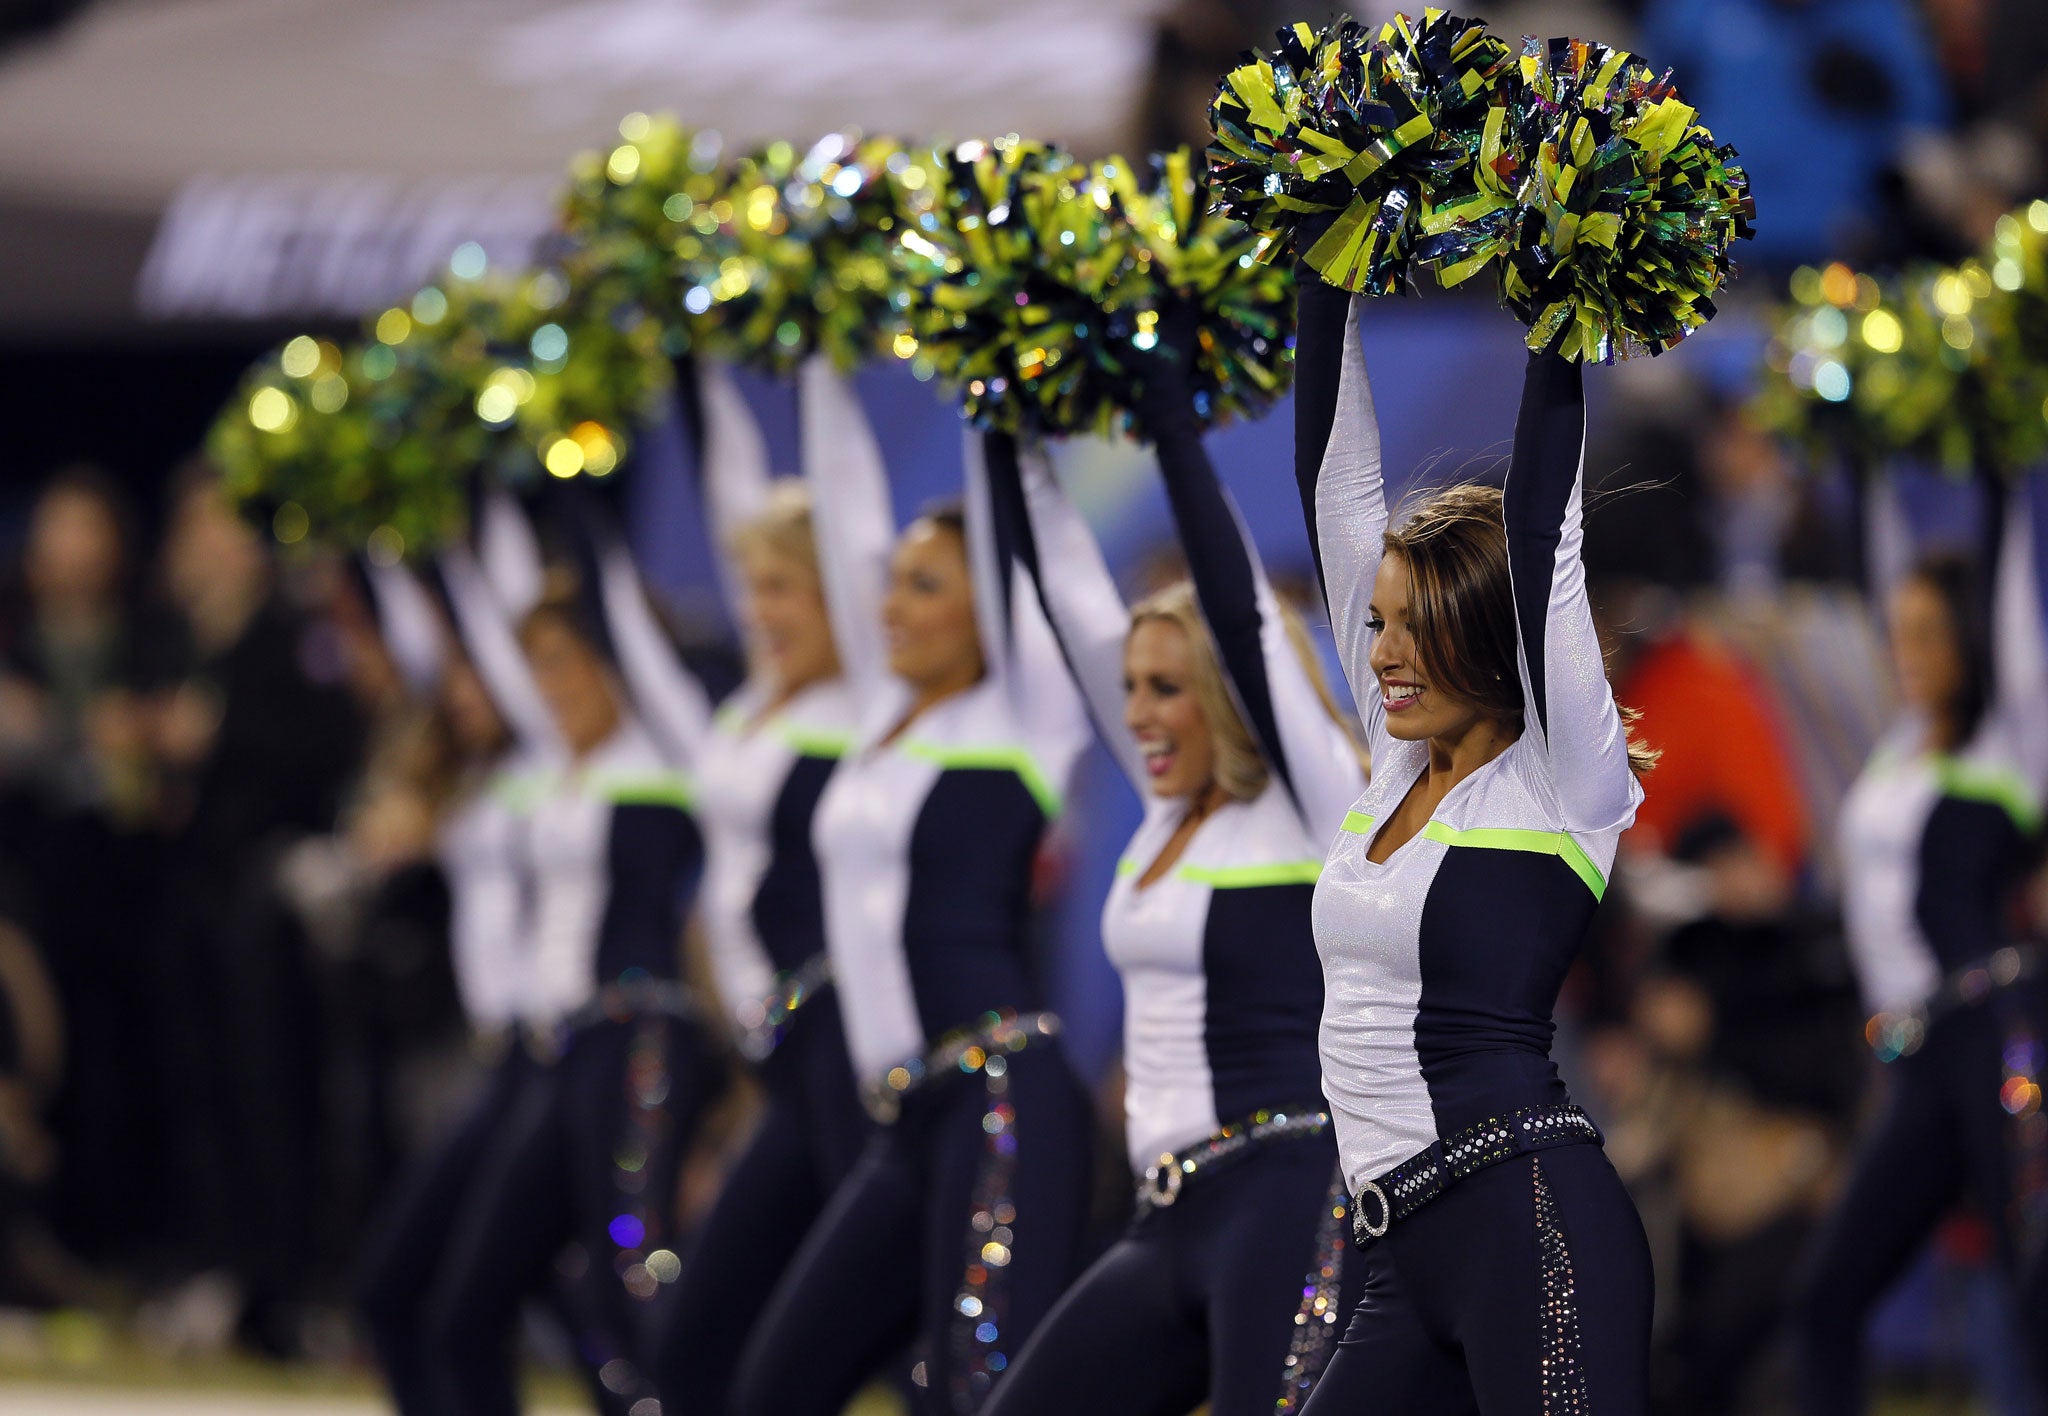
x=1568, y=704
x=484, y=626
x=408, y=624
x=1077, y=594
x=1887, y=539
x=672, y=704
x=2020, y=642
x=1337, y=467
x=853, y=521
x=509, y=552
x=1309, y=754
x=732, y=469
x=1021, y=651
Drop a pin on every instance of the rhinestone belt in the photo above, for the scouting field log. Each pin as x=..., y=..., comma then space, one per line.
x=1895, y=1035
x=765, y=1020
x=1428, y=1173
x=981, y=1046
x=1162, y=1183
x=615, y=1002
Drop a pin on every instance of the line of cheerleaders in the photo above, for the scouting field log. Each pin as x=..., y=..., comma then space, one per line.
x=1364, y=1188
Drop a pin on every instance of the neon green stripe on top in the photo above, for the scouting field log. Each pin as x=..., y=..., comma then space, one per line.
x=1252, y=877
x=1501, y=838
x=645, y=789
x=815, y=742
x=1970, y=781
x=991, y=757
x=1240, y=877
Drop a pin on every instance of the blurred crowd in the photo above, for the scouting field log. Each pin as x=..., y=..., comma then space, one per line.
x=226, y=1008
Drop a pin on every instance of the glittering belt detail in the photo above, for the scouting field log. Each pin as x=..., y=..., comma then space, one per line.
x=1163, y=1181
x=764, y=1021
x=1429, y=1172
x=1895, y=1035
x=982, y=1046
x=633, y=995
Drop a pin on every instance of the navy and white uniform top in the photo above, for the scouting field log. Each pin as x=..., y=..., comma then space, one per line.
x=927, y=837
x=615, y=855
x=1935, y=843
x=480, y=843
x=1442, y=965
x=610, y=851
x=759, y=767
x=482, y=849
x=1222, y=990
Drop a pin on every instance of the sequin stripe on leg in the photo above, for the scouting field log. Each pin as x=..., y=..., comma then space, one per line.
x=2026, y=1135
x=1564, y=1368
x=982, y=1304
x=638, y=1221
x=1315, y=1325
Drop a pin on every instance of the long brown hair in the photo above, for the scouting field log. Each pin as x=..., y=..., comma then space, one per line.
x=1461, y=605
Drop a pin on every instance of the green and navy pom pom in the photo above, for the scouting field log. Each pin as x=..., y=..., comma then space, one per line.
x=1024, y=287
x=373, y=444
x=1626, y=206
x=1243, y=307
x=640, y=223
x=1256, y=174
x=1377, y=130
x=807, y=256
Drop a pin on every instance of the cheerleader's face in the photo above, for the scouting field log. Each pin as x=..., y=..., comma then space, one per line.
x=1416, y=711
x=1163, y=712
x=1924, y=651
x=934, y=643
x=574, y=681
x=473, y=718
x=785, y=610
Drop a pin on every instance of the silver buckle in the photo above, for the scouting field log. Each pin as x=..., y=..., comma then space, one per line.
x=1162, y=1182
x=1363, y=1228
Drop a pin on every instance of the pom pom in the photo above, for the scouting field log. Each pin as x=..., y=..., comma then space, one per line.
x=1626, y=206
x=1025, y=287
x=640, y=223
x=1243, y=307
x=1814, y=390
x=1926, y=368
x=807, y=259
x=366, y=446
x=1255, y=156
x=1379, y=129
x=373, y=445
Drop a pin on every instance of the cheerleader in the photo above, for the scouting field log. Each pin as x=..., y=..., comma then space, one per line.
x=959, y=1225
x=761, y=765
x=584, y=1170
x=1505, y=1267
x=480, y=852
x=1937, y=836
x=1230, y=1281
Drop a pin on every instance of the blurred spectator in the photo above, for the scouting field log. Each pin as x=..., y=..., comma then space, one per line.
x=1724, y=751
x=1817, y=95
x=78, y=662
x=259, y=738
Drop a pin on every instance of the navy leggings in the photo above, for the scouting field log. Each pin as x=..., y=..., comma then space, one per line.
x=1522, y=1291
x=956, y=1233
x=409, y=1238
x=1944, y=1137
x=810, y=1134
x=575, y=1161
x=1235, y=1294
